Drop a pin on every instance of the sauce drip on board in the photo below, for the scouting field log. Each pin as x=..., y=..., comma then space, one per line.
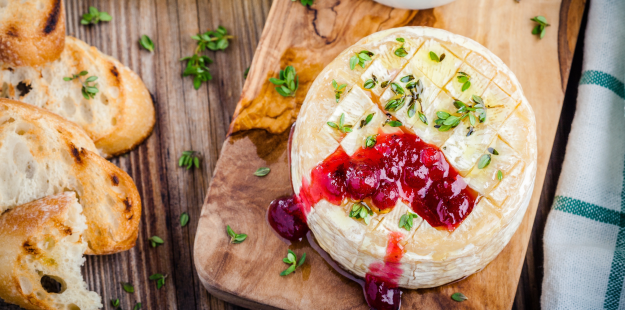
x=399, y=166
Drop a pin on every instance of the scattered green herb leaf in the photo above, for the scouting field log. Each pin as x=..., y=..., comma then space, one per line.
x=493, y=151
x=262, y=171
x=235, y=238
x=360, y=59
x=407, y=78
x=137, y=306
x=406, y=221
x=366, y=121
x=371, y=141
x=341, y=126
x=94, y=16
x=464, y=78
x=401, y=51
x=184, y=219
x=291, y=259
x=362, y=211
x=189, y=159
x=540, y=29
x=394, y=123
x=437, y=58
x=127, y=287
x=459, y=297
x=338, y=90
x=484, y=161
x=115, y=303
x=287, y=83
x=246, y=72
x=88, y=91
x=156, y=241
x=159, y=278
x=147, y=43
x=499, y=175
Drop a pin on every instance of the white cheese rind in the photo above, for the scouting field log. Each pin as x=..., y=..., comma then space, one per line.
x=432, y=257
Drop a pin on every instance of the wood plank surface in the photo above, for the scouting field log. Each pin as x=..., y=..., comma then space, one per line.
x=295, y=36
x=188, y=119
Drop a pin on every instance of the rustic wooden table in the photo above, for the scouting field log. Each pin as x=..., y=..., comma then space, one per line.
x=189, y=119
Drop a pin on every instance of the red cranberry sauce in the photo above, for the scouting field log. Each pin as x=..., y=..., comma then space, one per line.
x=287, y=219
x=399, y=166
x=381, y=291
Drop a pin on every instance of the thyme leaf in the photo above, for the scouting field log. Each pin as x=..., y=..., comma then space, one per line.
x=189, y=159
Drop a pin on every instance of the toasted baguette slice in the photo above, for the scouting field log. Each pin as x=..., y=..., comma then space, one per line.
x=119, y=117
x=32, y=32
x=42, y=154
x=41, y=255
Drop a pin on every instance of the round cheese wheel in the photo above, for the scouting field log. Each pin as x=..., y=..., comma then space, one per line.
x=414, y=155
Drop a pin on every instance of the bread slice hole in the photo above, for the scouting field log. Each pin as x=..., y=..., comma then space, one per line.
x=4, y=4
x=22, y=128
x=114, y=121
x=72, y=306
x=6, y=119
x=53, y=284
x=69, y=106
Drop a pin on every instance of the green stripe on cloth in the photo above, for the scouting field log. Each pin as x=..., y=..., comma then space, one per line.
x=605, y=80
x=591, y=211
x=617, y=271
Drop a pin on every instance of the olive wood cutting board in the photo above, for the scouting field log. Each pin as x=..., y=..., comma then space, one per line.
x=308, y=38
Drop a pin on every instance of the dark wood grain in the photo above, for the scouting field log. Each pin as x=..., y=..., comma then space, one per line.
x=189, y=119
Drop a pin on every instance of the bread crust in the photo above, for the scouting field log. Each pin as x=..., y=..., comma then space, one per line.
x=32, y=33
x=117, y=119
x=25, y=231
x=108, y=195
x=432, y=258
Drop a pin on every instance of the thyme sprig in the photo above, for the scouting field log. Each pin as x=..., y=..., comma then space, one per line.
x=362, y=211
x=540, y=29
x=291, y=259
x=197, y=65
x=360, y=59
x=94, y=17
x=235, y=238
x=437, y=58
x=214, y=40
x=406, y=220
x=474, y=111
x=338, y=89
x=88, y=91
x=415, y=90
x=159, y=278
x=371, y=141
x=401, y=51
x=465, y=79
x=371, y=83
x=189, y=159
x=344, y=128
x=366, y=120
x=156, y=241
x=287, y=83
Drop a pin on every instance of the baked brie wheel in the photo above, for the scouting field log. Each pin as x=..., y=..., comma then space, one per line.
x=414, y=157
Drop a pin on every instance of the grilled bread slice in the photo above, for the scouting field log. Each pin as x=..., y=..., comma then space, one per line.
x=119, y=117
x=32, y=32
x=42, y=154
x=41, y=254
